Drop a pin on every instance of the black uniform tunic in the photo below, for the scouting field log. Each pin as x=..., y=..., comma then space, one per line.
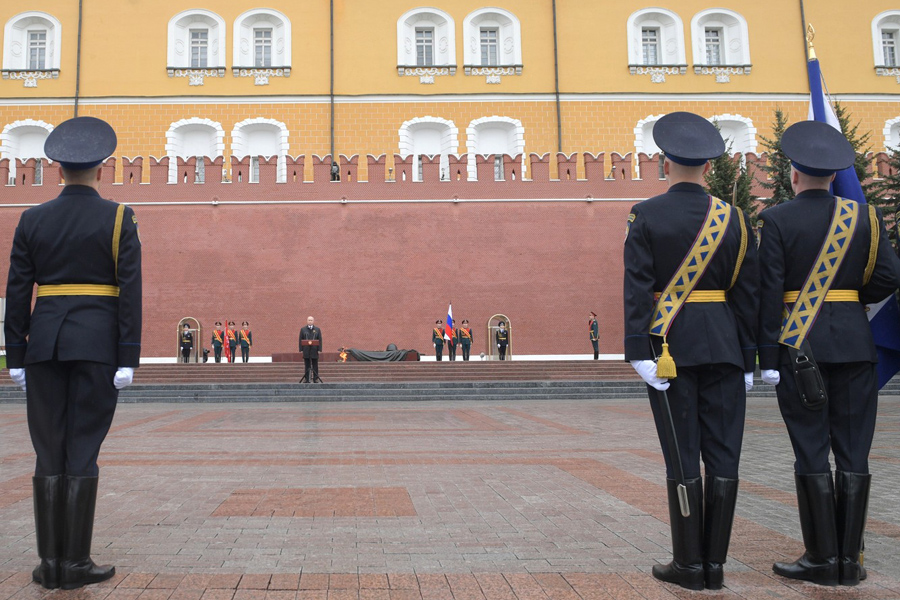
x=791, y=235
x=71, y=346
x=712, y=343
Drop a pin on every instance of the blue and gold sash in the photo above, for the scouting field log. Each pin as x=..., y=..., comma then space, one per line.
x=819, y=280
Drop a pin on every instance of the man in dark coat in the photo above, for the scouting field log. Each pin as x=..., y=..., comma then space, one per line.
x=437, y=339
x=218, y=341
x=832, y=511
x=78, y=347
x=691, y=283
x=594, y=329
x=187, y=343
x=310, y=346
x=464, y=335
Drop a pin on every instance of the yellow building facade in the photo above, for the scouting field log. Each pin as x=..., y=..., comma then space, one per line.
x=392, y=77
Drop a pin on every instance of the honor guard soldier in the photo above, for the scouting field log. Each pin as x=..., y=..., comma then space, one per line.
x=691, y=285
x=464, y=335
x=452, y=341
x=437, y=339
x=218, y=340
x=78, y=347
x=595, y=334
x=502, y=340
x=187, y=343
x=310, y=346
x=822, y=259
x=245, y=337
x=231, y=337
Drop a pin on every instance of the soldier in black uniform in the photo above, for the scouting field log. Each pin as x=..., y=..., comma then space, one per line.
x=832, y=512
x=437, y=339
x=464, y=335
x=78, y=347
x=595, y=334
x=502, y=340
x=451, y=343
x=187, y=343
x=712, y=340
x=218, y=340
x=310, y=351
x=245, y=336
x=231, y=337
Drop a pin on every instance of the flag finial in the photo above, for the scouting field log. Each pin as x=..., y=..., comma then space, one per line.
x=810, y=34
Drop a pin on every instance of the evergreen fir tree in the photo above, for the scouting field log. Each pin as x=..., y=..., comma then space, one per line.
x=860, y=143
x=778, y=166
x=887, y=193
x=729, y=180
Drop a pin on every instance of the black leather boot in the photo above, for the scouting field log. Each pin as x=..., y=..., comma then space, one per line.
x=77, y=568
x=851, y=503
x=48, y=495
x=686, y=568
x=815, y=501
x=721, y=497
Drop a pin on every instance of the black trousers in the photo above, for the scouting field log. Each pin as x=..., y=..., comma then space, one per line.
x=596, y=344
x=439, y=351
x=708, y=405
x=185, y=354
x=502, y=351
x=451, y=350
x=245, y=353
x=845, y=426
x=233, y=352
x=70, y=408
x=311, y=372
x=218, y=352
x=466, y=348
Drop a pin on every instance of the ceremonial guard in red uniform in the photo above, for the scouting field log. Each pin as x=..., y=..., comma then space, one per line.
x=822, y=260
x=231, y=338
x=218, y=340
x=691, y=287
x=245, y=337
x=78, y=347
x=437, y=339
x=464, y=335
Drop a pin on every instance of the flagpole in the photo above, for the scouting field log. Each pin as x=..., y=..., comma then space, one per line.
x=803, y=25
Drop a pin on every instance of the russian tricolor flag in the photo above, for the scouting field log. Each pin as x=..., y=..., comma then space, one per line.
x=448, y=324
x=884, y=317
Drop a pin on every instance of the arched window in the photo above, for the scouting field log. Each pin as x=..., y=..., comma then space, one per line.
x=492, y=39
x=497, y=136
x=721, y=44
x=738, y=132
x=23, y=140
x=892, y=134
x=196, y=46
x=429, y=136
x=261, y=137
x=31, y=47
x=426, y=44
x=886, y=42
x=656, y=44
x=193, y=137
x=643, y=142
x=262, y=45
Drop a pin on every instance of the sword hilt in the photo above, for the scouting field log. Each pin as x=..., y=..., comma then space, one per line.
x=683, y=500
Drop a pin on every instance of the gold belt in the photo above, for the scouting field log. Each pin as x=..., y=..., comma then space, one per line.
x=78, y=289
x=701, y=296
x=831, y=296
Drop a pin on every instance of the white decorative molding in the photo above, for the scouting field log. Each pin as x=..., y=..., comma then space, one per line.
x=241, y=141
x=493, y=74
x=449, y=139
x=243, y=43
x=174, y=141
x=888, y=20
x=739, y=130
x=475, y=144
x=658, y=73
x=426, y=74
x=735, y=37
x=671, y=37
x=722, y=74
x=892, y=134
x=15, y=43
x=31, y=77
x=195, y=76
x=509, y=30
x=444, y=38
x=13, y=136
x=888, y=72
x=260, y=75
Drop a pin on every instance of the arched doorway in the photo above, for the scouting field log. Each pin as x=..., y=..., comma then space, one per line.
x=493, y=326
x=196, y=330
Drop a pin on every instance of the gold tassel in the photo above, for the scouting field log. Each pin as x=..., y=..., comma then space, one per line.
x=665, y=365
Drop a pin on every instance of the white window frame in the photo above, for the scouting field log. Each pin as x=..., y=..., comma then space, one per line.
x=16, y=46
x=734, y=41
x=746, y=141
x=9, y=138
x=244, y=48
x=239, y=144
x=449, y=140
x=647, y=44
x=472, y=133
x=671, y=37
x=173, y=145
x=41, y=47
x=443, y=40
x=889, y=20
x=178, y=47
x=424, y=46
x=643, y=142
x=892, y=134
x=264, y=43
x=202, y=48
x=509, y=38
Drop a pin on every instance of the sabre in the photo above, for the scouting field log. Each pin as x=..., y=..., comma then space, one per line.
x=674, y=453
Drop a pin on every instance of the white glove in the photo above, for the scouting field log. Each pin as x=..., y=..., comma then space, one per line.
x=647, y=370
x=771, y=376
x=124, y=377
x=18, y=377
x=748, y=381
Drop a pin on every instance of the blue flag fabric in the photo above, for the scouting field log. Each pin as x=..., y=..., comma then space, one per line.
x=884, y=317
